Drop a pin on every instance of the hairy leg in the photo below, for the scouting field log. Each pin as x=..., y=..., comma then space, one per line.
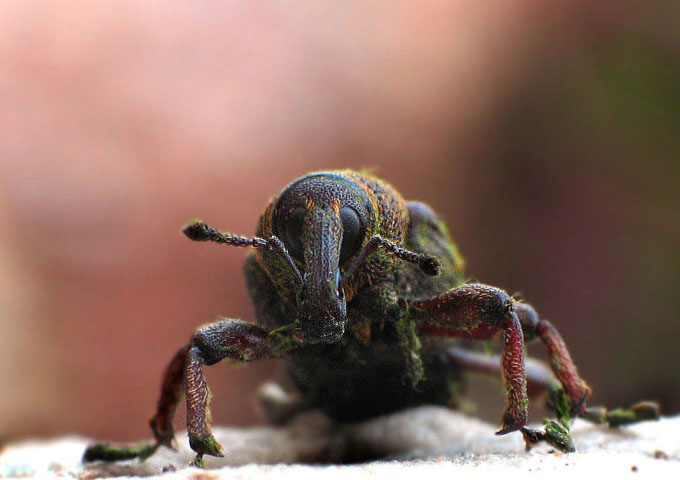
x=539, y=377
x=481, y=312
x=171, y=392
x=226, y=339
x=578, y=392
x=477, y=311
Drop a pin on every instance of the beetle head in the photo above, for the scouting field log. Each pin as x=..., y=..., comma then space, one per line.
x=321, y=240
x=322, y=220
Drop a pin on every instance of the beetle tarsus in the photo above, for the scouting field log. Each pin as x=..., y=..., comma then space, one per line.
x=108, y=452
x=555, y=434
x=205, y=444
x=617, y=417
x=198, y=461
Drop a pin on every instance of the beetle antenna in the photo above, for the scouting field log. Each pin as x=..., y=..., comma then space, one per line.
x=429, y=264
x=202, y=232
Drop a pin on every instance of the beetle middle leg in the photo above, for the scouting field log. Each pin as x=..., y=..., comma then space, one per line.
x=577, y=391
x=161, y=422
x=562, y=364
x=171, y=392
x=541, y=380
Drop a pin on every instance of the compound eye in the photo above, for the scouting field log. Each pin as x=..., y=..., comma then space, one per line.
x=293, y=232
x=352, y=233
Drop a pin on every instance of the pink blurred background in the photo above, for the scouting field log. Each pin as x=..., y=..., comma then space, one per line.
x=547, y=135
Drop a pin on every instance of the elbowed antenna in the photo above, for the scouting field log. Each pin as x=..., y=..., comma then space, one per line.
x=200, y=231
x=429, y=264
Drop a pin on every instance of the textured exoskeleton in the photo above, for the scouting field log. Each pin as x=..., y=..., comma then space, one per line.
x=364, y=297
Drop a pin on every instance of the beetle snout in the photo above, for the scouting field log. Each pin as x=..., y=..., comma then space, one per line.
x=323, y=310
x=325, y=335
x=322, y=313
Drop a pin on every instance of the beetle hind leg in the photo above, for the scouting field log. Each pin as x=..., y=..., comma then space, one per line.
x=618, y=417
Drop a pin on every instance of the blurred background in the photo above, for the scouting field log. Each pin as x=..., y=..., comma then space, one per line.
x=547, y=134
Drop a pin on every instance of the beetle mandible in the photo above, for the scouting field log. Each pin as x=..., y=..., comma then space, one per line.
x=364, y=295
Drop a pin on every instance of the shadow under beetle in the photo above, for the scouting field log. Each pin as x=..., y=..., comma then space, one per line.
x=364, y=296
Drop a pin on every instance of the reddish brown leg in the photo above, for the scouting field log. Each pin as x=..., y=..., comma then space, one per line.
x=539, y=380
x=577, y=390
x=210, y=344
x=539, y=377
x=161, y=422
x=225, y=339
x=171, y=392
x=481, y=312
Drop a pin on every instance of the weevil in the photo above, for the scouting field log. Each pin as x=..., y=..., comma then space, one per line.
x=364, y=297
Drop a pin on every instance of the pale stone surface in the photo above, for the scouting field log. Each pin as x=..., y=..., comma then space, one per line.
x=427, y=441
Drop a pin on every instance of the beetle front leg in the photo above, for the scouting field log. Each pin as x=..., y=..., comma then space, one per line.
x=481, y=312
x=540, y=379
x=228, y=339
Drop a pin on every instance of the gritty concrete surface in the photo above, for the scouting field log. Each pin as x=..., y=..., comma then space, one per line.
x=427, y=441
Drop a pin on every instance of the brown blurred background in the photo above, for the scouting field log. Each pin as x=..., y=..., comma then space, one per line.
x=547, y=135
